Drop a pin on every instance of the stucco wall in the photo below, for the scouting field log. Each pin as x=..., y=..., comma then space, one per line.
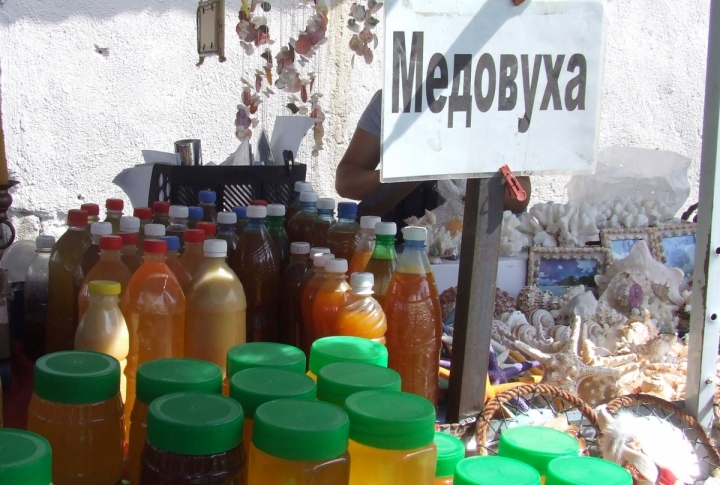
x=73, y=118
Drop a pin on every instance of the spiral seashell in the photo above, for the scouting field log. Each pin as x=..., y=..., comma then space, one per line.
x=560, y=333
x=514, y=319
x=524, y=333
x=532, y=297
x=541, y=317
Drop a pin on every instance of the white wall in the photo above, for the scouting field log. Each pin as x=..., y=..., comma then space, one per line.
x=73, y=119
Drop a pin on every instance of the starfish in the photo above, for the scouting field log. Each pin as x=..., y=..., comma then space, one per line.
x=497, y=379
x=565, y=368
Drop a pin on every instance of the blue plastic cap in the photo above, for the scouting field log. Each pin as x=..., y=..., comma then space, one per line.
x=173, y=242
x=240, y=211
x=195, y=212
x=207, y=197
x=347, y=210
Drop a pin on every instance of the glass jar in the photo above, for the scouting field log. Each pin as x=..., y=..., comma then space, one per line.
x=25, y=458
x=330, y=350
x=337, y=382
x=494, y=470
x=263, y=354
x=450, y=452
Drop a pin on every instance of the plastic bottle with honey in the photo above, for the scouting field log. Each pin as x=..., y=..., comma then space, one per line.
x=216, y=306
x=331, y=296
x=311, y=285
x=414, y=319
x=226, y=230
x=93, y=211
x=365, y=246
x=25, y=458
x=451, y=451
x=161, y=212
x=209, y=228
x=91, y=256
x=207, y=199
x=178, y=221
x=337, y=382
x=330, y=350
x=261, y=202
x=324, y=219
x=62, y=311
x=194, y=256
x=195, y=215
x=291, y=291
x=110, y=268
x=130, y=224
x=362, y=315
x=384, y=259
x=36, y=297
x=172, y=260
x=276, y=228
x=113, y=213
x=129, y=253
x=263, y=354
x=241, y=213
x=496, y=470
x=299, y=228
x=295, y=204
x=343, y=236
x=145, y=215
x=257, y=263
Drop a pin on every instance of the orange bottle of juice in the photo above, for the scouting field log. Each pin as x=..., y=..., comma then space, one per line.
x=193, y=257
x=365, y=245
x=291, y=294
x=384, y=258
x=331, y=296
x=109, y=268
x=313, y=282
x=362, y=315
x=300, y=226
x=414, y=319
x=344, y=235
x=62, y=312
x=113, y=213
x=92, y=254
x=295, y=205
x=324, y=219
x=129, y=253
x=173, y=262
x=154, y=308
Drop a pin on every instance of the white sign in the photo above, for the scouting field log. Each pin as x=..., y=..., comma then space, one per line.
x=471, y=85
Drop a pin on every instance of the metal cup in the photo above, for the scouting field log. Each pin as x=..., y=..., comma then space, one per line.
x=188, y=152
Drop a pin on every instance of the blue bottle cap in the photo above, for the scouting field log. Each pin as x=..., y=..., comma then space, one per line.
x=240, y=211
x=195, y=212
x=173, y=242
x=347, y=210
x=207, y=197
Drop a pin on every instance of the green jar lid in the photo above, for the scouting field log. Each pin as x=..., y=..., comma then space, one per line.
x=537, y=446
x=450, y=451
x=494, y=470
x=254, y=387
x=336, y=382
x=195, y=423
x=25, y=458
x=391, y=420
x=330, y=350
x=265, y=354
x=166, y=376
x=77, y=377
x=301, y=430
x=581, y=470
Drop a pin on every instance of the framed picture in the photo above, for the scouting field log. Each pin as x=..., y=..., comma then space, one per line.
x=211, y=29
x=676, y=247
x=557, y=269
x=619, y=242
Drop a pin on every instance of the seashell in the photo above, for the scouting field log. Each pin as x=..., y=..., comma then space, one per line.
x=532, y=298
x=515, y=318
x=560, y=333
x=541, y=317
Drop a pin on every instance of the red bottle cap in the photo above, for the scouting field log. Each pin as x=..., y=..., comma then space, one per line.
x=259, y=202
x=209, y=228
x=194, y=236
x=112, y=243
x=114, y=204
x=91, y=209
x=77, y=218
x=128, y=238
x=155, y=246
x=161, y=207
x=143, y=213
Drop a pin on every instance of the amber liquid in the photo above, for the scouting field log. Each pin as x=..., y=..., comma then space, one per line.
x=319, y=231
x=382, y=270
x=179, y=271
x=363, y=251
x=192, y=258
x=269, y=470
x=331, y=296
x=362, y=316
x=138, y=435
x=310, y=290
x=87, y=262
x=164, y=468
x=291, y=286
x=130, y=257
x=342, y=242
x=109, y=268
x=300, y=227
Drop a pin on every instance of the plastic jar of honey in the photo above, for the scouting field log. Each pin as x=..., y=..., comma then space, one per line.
x=337, y=382
x=391, y=438
x=77, y=407
x=158, y=378
x=193, y=438
x=25, y=458
x=581, y=470
x=263, y=354
x=450, y=452
x=330, y=350
x=536, y=446
x=494, y=470
x=299, y=442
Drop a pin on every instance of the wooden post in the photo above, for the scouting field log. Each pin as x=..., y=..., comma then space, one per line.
x=479, y=251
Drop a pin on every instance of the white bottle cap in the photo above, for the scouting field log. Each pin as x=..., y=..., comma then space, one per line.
x=368, y=222
x=385, y=229
x=178, y=212
x=414, y=233
x=362, y=283
x=227, y=218
x=154, y=230
x=301, y=187
x=300, y=248
x=129, y=224
x=44, y=242
x=308, y=196
x=319, y=261
x=314, y=251
x=276, y=210
x=326, y=204
x=336, y=266
x=101, y=229
x=215, y=248
x=257, y=212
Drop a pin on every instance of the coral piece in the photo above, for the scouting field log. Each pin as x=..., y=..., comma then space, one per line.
x=512, y=241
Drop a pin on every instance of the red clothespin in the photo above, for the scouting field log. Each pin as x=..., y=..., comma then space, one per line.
x=513, y=184
x=518, y=2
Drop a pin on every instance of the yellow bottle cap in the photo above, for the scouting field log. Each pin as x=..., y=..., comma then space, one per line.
x=104, y=288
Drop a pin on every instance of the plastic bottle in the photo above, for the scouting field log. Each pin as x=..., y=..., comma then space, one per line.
x=129, y=253
x=257, y=264
x=276, y=228
x=336, y=382
x=161, y=212
x=241, y=213
x=209, y=228
x=263, y=354
x=102, y=328
x=331, y=296
x=584, y=470
x=194, y=256
x=216, y=306
x=365, y=246
x=25, y=458
x=130, y=224
x=494, y=470
x=254, y=387
x=110, y=268
x=77, y=407
x=391, y=438
x=153, y=232
x=311, y=285
x=450, y=452
x=178, y=222
x=113, y=213
x=62, y=313
x=323, y=221
x=414, y=319
x=207, y=200
x=291, y=294
x=145, y=215
x=91, y=256
x=299, y=442
x=193, y=438
x=226, y=230
x=536, y=446
x=330, y=350
x=93, y=211
x=154, y=308
x=159, y=378
x=299, y=228
x=362, y=315
x=261, y=202
x=344, y=235
x=172, y=259
x=195, y=215
x=295, y=205
x=384, y=259
x=36, y=297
